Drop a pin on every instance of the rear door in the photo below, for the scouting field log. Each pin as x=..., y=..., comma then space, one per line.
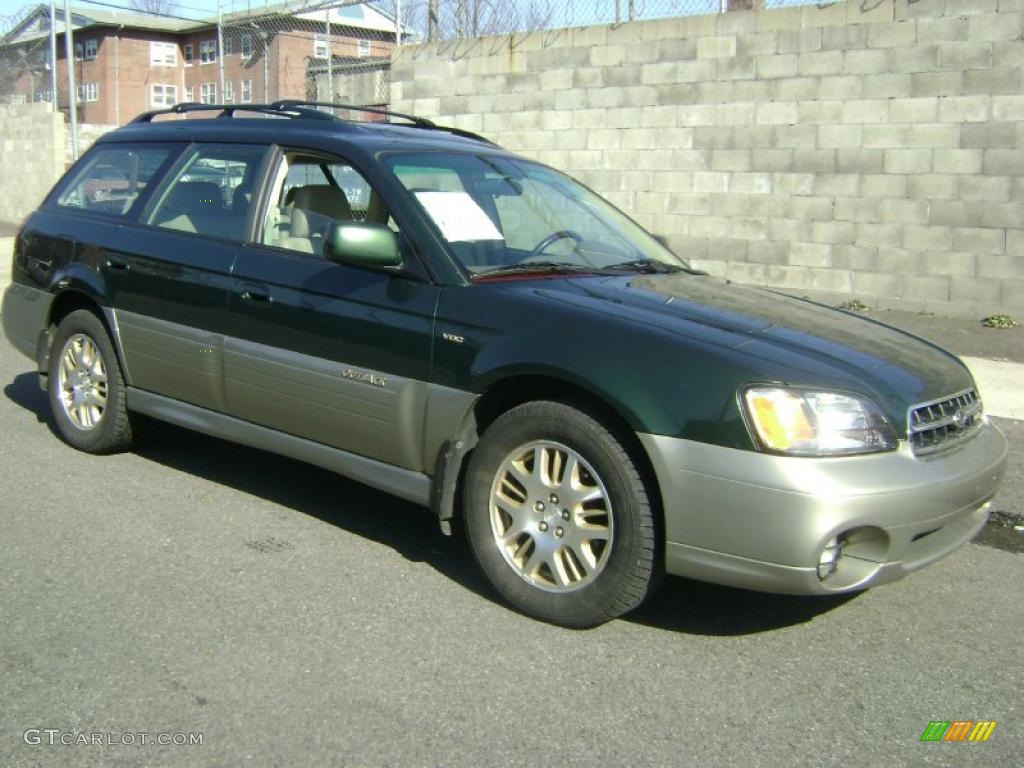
x=173, y=269
x=336, y=354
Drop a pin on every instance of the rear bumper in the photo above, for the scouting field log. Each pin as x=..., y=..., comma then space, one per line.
x=761, y=522
x=24, y=312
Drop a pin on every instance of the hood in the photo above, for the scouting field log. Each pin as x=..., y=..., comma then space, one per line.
x=812, y=343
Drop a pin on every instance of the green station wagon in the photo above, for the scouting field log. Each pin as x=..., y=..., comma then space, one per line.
x=413, y=307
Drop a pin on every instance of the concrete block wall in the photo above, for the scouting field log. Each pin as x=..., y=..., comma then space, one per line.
x=88, y=133
x=869, y=150
x=31, y=158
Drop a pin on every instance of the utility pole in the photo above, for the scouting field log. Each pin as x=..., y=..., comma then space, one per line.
x=431, y=20
x=460, y=18
x=265, y=37
x=69, y=52
x=220, y=48
x=53, y=54
x=398, y=22
x=330, y=59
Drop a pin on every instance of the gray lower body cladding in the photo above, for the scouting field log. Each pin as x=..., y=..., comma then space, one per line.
x=412, y=486
x=25, y=311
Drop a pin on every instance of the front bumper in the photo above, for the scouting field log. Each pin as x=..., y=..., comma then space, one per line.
x=758, y=521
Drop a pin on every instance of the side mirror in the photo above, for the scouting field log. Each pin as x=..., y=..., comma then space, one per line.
x=362, y=245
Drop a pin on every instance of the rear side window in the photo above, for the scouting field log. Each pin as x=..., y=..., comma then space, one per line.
x=212, y=192
x=113, y=178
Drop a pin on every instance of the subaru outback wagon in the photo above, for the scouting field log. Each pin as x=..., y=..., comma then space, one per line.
x=415, y=308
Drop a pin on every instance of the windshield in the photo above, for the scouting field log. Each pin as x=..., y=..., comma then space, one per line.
x=502, y=215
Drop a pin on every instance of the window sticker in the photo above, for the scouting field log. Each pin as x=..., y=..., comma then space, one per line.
x=458, y=216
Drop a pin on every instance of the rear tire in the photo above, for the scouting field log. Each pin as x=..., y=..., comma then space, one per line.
x=86, y=387
x=558, y=516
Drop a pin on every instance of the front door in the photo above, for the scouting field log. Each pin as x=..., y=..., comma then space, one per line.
x=335, y=354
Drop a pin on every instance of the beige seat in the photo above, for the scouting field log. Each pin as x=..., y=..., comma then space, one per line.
x=194, y=206
x=324, y=199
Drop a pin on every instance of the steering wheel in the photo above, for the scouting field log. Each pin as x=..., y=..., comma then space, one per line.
x=547, y=242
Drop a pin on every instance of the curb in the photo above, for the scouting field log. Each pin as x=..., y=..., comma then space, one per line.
x=999, y=383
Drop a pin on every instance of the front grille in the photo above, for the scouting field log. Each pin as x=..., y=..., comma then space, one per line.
x=943, y=423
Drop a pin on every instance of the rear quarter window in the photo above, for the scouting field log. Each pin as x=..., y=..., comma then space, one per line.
x=112, y=178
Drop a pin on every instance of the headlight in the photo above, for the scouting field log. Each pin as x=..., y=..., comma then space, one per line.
x=801, y=422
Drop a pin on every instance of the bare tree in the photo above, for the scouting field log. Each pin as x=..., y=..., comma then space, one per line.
x=156, y=7
x=445, y=19
x=413, y=17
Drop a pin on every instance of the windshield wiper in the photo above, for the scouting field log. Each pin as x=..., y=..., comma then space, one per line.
x=551, y=267
x=645, y=266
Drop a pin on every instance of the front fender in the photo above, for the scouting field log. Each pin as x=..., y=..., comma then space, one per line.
x=658, y=384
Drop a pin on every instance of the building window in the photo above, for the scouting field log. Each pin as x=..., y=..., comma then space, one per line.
x=163, y=54
x=208, y=93
x=229, y=91
x=164, y=95
x=189, y=54
x=89, y=92
x=78, y=51
x=208, y=52
x=190, y=93
x=320, y=46
x=46, y=95
x=245, y=43
x=246, y=91
x=363, y=48
x=91, y=47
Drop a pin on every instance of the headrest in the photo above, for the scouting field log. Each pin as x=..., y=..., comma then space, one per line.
x=324, y=199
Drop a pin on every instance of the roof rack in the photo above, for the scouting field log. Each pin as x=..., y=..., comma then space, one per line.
x=309, y=110
x=290, y=103
x=228, y=110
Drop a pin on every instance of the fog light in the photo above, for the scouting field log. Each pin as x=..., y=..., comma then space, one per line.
x=829, y=558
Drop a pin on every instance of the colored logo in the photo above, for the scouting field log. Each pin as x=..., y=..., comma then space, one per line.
x=958, y=730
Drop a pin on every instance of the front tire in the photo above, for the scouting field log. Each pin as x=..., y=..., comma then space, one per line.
x=558, y=516
x=86, y=387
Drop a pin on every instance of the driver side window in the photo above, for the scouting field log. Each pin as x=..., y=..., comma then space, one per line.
x=311, y=193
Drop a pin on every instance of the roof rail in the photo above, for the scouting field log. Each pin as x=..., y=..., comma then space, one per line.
x=228, y=110
x=289, y=103
x=310, y=110
x=417, y=122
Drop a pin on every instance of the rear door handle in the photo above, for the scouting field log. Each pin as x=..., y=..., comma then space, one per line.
x=116, y=262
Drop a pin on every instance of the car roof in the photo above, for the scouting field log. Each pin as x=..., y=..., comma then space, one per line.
x=288, y=124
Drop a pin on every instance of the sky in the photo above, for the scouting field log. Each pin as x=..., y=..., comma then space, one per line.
x=583, y=11
x=190, y=8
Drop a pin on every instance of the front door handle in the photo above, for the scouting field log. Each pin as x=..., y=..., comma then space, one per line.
x=116, y=262
x=255, y=295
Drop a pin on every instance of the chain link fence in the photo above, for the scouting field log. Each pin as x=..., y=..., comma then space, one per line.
x=445, y=19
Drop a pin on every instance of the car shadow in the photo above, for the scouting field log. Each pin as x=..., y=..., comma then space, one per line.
x=699, y=608
x=680, y=605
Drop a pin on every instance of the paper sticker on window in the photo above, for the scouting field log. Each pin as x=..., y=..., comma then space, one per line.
x=458, y=216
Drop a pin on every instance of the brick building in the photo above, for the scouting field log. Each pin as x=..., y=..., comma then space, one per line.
x=128, y=62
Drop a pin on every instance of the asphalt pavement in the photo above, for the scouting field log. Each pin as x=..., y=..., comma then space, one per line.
x=287, y=616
